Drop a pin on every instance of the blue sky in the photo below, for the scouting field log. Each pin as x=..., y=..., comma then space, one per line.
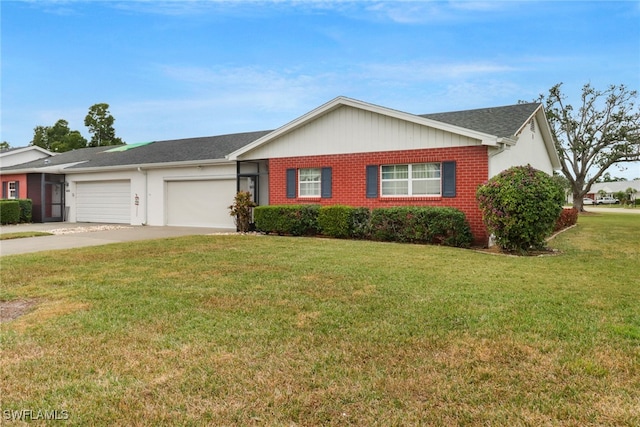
x=179, y=69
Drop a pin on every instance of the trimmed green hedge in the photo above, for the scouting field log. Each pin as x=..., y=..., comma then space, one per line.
x=26, y=210
x=344, y=222
x=296, y=220
x=9, y=212
x=434, y=225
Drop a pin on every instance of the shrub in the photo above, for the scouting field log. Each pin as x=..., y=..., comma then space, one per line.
x=361, y=223
x=520, y=207
x=26, y=210
x=440, y=225
x=336, y=221
x=297, y=220
x=241, y=210
x=567, y=218
x=9, y=212
x=344, y=222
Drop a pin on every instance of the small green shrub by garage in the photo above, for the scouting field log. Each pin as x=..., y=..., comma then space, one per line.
x=435, y=225
x=9, y=212
x=520, y=207
x=296, y=220
x=26, y=210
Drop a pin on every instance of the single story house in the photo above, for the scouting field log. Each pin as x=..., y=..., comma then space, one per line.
x=611, y=188
x=344, y=152
x=15, y=186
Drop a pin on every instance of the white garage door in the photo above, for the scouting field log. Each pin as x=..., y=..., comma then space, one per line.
x=200, y=203
x=104, y=201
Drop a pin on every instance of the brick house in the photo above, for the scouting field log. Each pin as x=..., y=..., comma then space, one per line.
x=353, y=153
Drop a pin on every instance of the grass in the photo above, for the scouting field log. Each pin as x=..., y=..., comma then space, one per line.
x=23, y=234
x=265, y=330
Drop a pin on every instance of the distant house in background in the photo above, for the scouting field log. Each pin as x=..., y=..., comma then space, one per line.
x=611, y=188
x=14, y=186
x=344, y=152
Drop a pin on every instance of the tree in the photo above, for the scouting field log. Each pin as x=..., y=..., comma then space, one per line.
x=4, y=145
x=100, y=123
x=603, y=131
x=58, y=138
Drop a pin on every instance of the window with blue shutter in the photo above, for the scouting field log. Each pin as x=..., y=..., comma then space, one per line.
x=291, y=183
x=372, y=181
x=448, y=179
x=325, y=182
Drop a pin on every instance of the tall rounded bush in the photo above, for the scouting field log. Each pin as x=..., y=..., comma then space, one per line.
x=520, y=207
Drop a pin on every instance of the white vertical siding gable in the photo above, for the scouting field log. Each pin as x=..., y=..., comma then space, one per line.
x=352, y=130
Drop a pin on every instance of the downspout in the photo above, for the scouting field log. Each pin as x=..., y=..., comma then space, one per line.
x=144, y=198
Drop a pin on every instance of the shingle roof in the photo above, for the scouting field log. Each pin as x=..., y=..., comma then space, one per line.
x=177, y=150
x=498, y=121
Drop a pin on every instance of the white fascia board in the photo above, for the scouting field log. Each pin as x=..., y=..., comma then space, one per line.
x=340, y=101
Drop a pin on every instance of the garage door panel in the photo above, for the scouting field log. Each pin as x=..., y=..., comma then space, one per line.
x=103, y=201
x=200, y=203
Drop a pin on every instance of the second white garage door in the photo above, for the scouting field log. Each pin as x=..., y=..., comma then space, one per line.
x=103, y=201
x=200, y=203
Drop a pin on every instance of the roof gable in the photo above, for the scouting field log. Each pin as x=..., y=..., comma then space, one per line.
x=341, y=101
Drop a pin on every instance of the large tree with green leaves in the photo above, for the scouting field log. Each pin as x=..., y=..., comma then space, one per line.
x=100, y=123
x=604, y=130
x=58, y=138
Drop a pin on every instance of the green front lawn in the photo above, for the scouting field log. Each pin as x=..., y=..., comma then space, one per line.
x=265, y=330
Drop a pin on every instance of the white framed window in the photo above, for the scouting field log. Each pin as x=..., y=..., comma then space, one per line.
x=309, y=182
x=11, y=186
x=420, y=179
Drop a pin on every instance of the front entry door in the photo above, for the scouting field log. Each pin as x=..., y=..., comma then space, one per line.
x=53, y=201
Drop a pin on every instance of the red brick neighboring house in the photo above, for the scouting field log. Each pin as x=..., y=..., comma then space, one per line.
x=14, y=186
x=353, y=153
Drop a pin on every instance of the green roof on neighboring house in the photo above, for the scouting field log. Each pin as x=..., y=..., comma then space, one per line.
x=126, y=147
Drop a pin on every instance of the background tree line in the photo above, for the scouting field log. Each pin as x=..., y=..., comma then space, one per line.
x=60, y=137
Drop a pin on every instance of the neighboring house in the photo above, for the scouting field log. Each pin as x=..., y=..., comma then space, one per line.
x=611, y=188
x=344, y=152
x=354, y=153
x=15, y=186
x=185, y=182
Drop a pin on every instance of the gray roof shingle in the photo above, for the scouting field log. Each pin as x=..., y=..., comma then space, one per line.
x=176, y=150
x=498, y=121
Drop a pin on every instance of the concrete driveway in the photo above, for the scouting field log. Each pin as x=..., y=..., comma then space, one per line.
x=77, y=235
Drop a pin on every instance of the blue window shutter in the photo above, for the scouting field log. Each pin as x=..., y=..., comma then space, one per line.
x=291, y=183
x=325, y=183
x=448, y=179
x=372, y=181
x=5, y=189
x=17, y=189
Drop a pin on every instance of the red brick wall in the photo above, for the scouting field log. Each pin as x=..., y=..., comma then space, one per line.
x=349, y=180
x=22, y=186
